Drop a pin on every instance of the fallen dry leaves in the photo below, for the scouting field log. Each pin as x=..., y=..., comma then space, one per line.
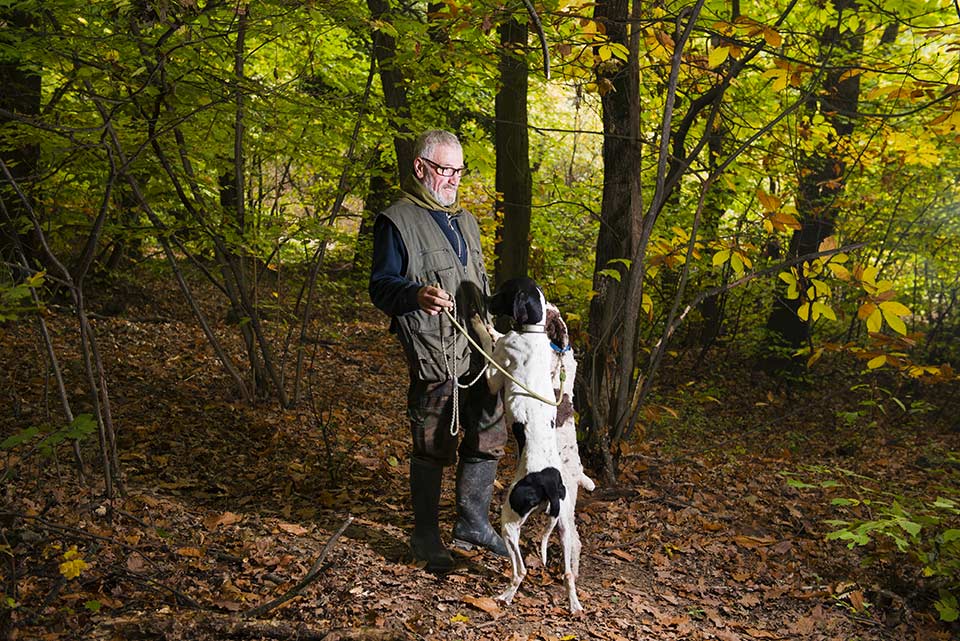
x=229, y=506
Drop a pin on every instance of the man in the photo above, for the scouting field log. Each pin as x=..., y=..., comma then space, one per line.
x=427, y=261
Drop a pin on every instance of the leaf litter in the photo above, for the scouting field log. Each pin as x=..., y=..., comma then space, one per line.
x=229, y=506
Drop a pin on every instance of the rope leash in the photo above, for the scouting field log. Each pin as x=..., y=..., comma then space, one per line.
x=452, y=374
x=490, y=360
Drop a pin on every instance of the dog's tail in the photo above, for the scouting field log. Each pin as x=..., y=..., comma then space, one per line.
x=586, y=482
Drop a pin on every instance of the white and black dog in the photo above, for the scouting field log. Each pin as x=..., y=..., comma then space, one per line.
x=540, y=481
x=563, y=373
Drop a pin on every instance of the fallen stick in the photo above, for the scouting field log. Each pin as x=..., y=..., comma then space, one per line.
x=304, y=582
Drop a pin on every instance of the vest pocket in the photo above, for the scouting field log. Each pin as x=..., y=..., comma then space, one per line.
x=426, y=338
x=446, y=277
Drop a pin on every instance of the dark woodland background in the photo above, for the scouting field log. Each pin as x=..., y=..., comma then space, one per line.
x=747, y=213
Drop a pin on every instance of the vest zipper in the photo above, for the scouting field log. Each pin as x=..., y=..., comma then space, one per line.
x=456, y=235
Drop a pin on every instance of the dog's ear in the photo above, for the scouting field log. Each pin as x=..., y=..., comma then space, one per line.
x=528, y=307
x=521, y=308
x=556, y=328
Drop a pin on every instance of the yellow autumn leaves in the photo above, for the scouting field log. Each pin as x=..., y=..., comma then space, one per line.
x=807, y=283
x=73, y=564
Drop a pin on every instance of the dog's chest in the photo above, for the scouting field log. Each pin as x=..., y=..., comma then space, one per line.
x=528, y=360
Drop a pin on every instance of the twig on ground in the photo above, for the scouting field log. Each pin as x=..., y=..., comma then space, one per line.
x=309, y=578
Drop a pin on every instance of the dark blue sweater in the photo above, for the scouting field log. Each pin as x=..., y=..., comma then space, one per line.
x=389, y=288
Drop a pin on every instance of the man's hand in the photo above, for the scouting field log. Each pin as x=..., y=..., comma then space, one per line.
x=433, y=300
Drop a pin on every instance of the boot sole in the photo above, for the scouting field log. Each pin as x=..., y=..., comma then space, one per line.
x=469, y=546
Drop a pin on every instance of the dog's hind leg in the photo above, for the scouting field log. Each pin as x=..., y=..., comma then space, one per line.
x=511, y=536
x=545, y=540
x=571, y=559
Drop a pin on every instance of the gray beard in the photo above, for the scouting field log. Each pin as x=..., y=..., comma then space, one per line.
x=438, y=197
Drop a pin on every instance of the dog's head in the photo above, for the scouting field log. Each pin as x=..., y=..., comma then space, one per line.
x=557, y=328
x=521, y=299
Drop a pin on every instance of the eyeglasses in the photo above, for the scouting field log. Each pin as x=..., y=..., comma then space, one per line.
x=443, y=170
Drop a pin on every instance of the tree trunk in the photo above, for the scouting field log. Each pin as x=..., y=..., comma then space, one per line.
x=19, y=96
x=619, y=233
x=822, y=175
x=513, y=155
x=394, y=88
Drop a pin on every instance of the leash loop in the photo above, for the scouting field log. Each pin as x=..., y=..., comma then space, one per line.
x=490, y=360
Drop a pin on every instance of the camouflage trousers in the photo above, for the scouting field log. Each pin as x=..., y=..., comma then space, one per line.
x=482, y=434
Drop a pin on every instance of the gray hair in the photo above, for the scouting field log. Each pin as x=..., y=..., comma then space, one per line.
x=430, y=140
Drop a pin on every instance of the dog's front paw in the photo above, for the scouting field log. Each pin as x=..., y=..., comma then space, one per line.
x=483, y=333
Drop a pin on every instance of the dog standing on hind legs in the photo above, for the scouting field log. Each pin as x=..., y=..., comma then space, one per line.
x=539, y=481
x=563, y=373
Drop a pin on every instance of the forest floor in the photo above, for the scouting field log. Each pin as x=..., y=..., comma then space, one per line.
x=226, y=506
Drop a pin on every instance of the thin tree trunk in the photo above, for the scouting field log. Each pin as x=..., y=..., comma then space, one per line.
x=394, y=88
x=513, y=181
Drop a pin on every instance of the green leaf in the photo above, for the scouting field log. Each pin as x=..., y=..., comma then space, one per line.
x=18, y=439
x=81, y=426
x=894, y=321
x=909, y=526
x=612, y=273
x=718, y=55
x=947, y=606
x=951, y=535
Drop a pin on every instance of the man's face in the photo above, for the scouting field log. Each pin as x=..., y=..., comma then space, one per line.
x=443, y=188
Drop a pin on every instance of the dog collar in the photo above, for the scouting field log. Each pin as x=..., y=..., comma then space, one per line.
x=558, y=349
x=533, y=329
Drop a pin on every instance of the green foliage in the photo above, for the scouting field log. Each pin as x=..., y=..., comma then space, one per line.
x=16, y=300
x=45, y=439
x=925, y=531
